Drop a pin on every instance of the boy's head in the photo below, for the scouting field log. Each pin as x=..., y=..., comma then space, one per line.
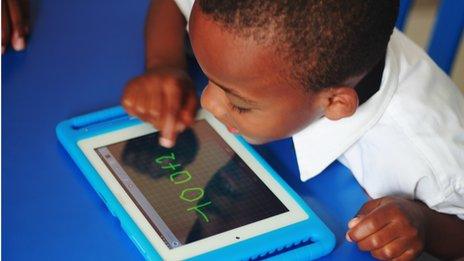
x=276, y=66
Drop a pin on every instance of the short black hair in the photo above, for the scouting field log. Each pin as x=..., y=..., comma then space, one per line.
x=326, y=41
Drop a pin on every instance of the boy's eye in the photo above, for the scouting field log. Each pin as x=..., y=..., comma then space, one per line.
x=239, y=109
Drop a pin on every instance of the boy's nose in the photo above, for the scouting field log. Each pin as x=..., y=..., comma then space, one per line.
x=212, y=101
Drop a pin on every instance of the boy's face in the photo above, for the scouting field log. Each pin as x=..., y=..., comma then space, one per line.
x=246, y=89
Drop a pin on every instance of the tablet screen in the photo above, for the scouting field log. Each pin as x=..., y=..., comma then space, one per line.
x=197, y=189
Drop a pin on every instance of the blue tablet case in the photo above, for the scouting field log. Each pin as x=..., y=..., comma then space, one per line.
x=306, y=240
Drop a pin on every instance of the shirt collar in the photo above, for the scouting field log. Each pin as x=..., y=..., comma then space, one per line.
x=323, y=141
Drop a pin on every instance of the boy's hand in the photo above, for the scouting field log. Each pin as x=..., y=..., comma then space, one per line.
x=390, y=228
x=15, y=23
x=164, y=97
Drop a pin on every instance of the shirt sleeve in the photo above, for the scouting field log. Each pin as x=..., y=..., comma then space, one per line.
x=449, y=200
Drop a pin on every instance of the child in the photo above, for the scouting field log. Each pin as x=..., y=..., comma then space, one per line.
x=337, y=77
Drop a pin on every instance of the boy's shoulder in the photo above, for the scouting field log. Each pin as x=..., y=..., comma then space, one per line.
x=427, y=106
x=427, y=111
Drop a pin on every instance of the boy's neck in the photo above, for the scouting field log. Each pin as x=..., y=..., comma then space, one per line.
x=370, y=84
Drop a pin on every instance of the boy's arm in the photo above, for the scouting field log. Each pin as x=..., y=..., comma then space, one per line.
x=444, y=234
x=164, y=95
x=399, y=229
x=164, y=34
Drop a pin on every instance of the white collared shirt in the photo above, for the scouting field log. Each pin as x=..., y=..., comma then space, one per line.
x=406, y=140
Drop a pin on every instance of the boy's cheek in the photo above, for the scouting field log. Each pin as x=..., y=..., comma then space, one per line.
x=266, y=125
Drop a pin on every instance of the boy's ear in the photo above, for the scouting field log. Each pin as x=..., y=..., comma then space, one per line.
x=339, y=102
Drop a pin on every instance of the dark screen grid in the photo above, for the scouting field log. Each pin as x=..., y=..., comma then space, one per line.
x=238, y=196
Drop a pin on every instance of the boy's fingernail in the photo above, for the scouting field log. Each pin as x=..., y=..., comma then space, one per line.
x=166, y=143
x=18, y=43
x=348, y=238
x=353, y=222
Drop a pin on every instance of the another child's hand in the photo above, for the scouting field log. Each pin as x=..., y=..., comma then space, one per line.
x=164, y=97
x=390, y=228
x=15, y=24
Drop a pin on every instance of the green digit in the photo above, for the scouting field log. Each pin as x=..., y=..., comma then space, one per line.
x=171, y=166
x=198, y=210
x=183, y=195
x=160, y=160
x=186, y=177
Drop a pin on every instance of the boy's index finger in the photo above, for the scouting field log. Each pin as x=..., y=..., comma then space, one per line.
x=172, y=99
x=370, y=224
x=168, y=133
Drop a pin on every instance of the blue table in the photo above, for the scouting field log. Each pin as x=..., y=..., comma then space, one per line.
x=79, y=56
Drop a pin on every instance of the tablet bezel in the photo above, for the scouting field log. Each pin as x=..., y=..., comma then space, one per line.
x=294, y=215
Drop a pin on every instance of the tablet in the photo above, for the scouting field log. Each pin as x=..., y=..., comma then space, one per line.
x=207, y=193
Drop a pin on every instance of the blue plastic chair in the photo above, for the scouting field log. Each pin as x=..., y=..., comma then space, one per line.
x=446, y=33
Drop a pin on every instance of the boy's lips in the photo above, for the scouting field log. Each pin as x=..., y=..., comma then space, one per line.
x=232, y=130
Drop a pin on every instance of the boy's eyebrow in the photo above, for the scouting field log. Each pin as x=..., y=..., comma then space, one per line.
x=232, y=92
